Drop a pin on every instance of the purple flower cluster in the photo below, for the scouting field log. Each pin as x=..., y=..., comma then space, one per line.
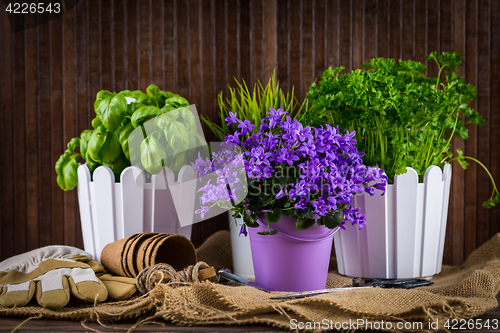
x=304, y=171
x=227, y=184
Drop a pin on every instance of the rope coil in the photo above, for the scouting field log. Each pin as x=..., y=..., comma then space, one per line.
x=150, y=276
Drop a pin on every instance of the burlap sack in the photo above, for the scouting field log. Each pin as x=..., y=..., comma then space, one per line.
x=458, y=292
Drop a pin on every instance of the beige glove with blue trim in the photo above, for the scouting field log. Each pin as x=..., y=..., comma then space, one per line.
x=55, y=273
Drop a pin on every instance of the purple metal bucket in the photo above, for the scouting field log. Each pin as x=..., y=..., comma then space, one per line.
x=292, y=260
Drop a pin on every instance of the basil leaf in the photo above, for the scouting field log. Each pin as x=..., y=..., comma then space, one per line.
x=166, y=94
x=84, y=142
x=117, y=166
x=97, y=139
x=91, y=164
x=163, y=120
x=154, y=94
x=304, y=223
x=143, y=114
x=172, y=115
x=111, y=109
x=73, y=144
x=111, y=149
x=66, y=170
x=153, y=154
x=141, y=98
x=123, y=137
x=96, y=122
x=177, y=136
x=177, y=101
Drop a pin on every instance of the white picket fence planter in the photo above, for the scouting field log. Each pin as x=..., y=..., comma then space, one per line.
x=240, y=248
x=111, y=211
x=405, y=229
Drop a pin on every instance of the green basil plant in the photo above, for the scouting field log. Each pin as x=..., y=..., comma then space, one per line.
x=117, y=116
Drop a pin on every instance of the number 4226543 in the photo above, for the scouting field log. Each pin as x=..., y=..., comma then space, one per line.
x=33, y=8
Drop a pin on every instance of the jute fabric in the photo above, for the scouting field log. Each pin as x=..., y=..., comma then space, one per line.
x=458, y=292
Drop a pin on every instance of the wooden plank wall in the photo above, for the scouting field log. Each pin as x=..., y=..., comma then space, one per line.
x=50, y=75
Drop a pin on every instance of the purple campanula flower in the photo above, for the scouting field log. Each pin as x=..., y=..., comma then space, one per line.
x=246, y=126
x=327, y=169
x=281, y=194
x=232, y=118
x=276, y=113
x=243, y=231
x=233, y=138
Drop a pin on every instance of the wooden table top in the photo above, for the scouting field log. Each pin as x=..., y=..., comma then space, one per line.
x=62, y=326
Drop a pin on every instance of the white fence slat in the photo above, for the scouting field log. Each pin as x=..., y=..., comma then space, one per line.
x=338, y=239
x=433, y=181
x=117, y=207
x=447, y=171
x=184, y=195
x=132, y=187
x=363, y=236
x=164, y=214
x=347, y=244
x=406, y=199
x=419, y=226
x=148, y=209
x=350, y=250
x=376, y=237
x=85, y=209
x=104, y=180
x=390, y=230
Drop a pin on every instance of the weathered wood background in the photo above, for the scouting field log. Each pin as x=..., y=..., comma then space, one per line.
x=50, y=75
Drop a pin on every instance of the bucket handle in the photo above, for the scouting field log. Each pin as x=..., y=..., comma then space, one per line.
x=306, y=240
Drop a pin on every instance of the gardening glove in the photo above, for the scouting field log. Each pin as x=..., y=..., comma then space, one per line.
x=53, y=274
x=118, y=287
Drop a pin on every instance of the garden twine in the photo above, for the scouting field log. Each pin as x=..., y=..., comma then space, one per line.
x=149, y=277
x=460, y=292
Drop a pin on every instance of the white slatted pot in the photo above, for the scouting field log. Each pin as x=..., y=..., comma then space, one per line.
x=111, y=211
x=241, y=250
x=405, y=229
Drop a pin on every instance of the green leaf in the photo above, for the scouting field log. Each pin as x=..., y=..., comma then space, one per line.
x=274, y=216
x=96, y=122
x=73, y=144
x=153, y=154
x=66, y=170
x=172, y=114
x=177, y=101
x=143, y=114
x=304, y=223
x=272, y=232
x=97, y=139
x=84, y=142
x=249, y=222
x=111, y=109
x=118, y=166
x=332, y=221
x=123, y=137
x=461, y=159
x=111, y=149
x=154, y=94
